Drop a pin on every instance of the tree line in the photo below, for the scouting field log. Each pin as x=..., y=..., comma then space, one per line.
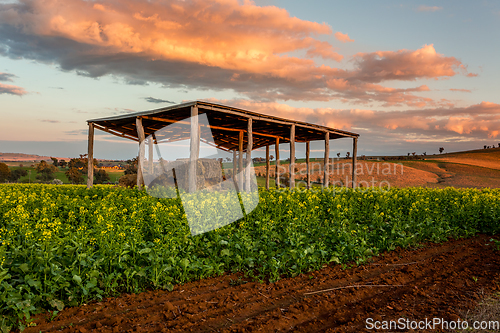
x=76, y=169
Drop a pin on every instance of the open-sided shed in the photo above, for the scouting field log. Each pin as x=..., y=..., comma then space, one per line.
x=233, y=129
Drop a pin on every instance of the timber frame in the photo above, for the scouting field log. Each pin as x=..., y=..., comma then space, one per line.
x=233, y=129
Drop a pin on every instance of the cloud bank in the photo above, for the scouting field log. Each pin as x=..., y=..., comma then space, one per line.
x=214, y=44
x=476, y=122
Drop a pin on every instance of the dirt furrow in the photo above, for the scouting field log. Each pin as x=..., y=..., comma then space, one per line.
x=436, y=280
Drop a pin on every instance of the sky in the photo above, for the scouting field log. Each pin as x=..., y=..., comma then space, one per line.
x=408, y=76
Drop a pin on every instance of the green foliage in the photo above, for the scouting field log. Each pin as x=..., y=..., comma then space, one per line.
x=131, y=167
x=75, y=175
x=16, y=174
x=45, y=171
x=64, y=245
x=4, y=172
x=100, y=176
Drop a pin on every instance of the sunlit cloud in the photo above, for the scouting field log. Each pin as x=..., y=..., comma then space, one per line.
x=344, y=38
x=461, y=90
x=478, y=121
x=214, y=44
x=11, y=90
x=406, y=65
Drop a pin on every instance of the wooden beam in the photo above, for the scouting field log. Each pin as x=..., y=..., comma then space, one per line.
x=292, y=156
x=268, y=166
x=140, y=159
x=171, y=121
x=354, y=161
x=326, y=166
x=240, y=162
x=308, y=166
x=277, y=148
x=277, y=121
x=194, y=149
x=114, y=132
x=248, y=171
x=90, y=156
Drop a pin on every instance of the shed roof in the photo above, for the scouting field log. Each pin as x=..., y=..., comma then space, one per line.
x=225, y=122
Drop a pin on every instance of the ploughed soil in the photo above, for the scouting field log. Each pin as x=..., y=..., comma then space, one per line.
x=430, y=281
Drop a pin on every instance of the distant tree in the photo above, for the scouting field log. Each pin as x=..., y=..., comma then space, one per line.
x=424, y=153
x=80, y=163
x=45, y=171
x=21, y=165
x=485, y=146
x=100, y=176
x=499, y=145
x=414, y=153
x=76, y=163
x=441, y=149
x=338, y=155
x=75, y=175
x=131, y=167
x=4, y=172
x=62, y=163
x=55, y=162
x=16, y=174
x=271, y=157
x=348, y=154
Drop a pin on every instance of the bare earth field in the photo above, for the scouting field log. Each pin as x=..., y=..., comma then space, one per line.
x=424, y=173
x=432, y=281
x=488, y=158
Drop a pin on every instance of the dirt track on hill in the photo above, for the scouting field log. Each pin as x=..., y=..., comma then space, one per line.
x=438, y=280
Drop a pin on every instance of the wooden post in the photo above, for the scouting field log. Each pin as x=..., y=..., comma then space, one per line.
x=277, y=148
x=248, y=171
x=90, y=156
x=151, y=143
x=140, y=159
x=235, y=166
x=194, y=149
x=292, y=157
x=354, y=160
x=308, y=166
x=268, y=166
x=326, y=171
x=240, y=162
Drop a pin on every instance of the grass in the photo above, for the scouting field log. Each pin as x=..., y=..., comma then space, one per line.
x=487, y=312
x=114, y=175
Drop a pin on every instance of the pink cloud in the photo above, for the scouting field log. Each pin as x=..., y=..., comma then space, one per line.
x=405, y=65
x=214, y=44
x=344, y=38
x=12, y=90
x=478, y=121
x=461, y=90
x=217, y=33
x=323, y=50
x=424, y=8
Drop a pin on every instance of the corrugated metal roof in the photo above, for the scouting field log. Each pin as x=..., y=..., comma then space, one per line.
x=225, y=121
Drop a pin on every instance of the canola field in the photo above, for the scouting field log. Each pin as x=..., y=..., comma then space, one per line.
x=64, y=245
